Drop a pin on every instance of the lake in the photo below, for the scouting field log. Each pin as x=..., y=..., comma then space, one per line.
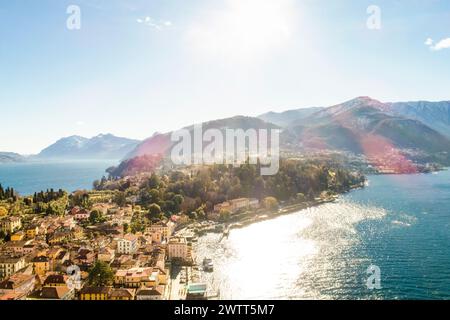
x=29, y=177
x=401, y=224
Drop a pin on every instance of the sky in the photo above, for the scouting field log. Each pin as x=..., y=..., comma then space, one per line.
x=135, y=67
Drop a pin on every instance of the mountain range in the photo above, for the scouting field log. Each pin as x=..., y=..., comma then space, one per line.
x=356, y=125
x=6, y=157
x=103, y=146
x=161, y=143
x=362, y=125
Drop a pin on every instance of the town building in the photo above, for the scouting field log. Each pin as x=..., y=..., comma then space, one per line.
x=95, y=293
x=177, y=248
x=10, y=265
x=153, y=293
x=127, y=245
x=17, y=286
x=137, y=277
x=18, y=236
x=237, y=204
x=41, y=264
x=10, y=224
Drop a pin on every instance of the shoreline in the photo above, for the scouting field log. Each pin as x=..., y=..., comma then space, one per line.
x=255, y=217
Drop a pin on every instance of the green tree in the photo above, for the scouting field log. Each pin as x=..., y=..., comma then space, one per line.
x=154, y=211
x=95, y=217
x=224, y=215
x=120, y=199
x=100, y=274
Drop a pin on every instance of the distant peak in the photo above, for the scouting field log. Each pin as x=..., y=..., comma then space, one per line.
x=366, y=99
x=74, y=137
x=102, y=135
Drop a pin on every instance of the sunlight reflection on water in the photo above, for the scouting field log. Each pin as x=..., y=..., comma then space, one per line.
x=298, y=256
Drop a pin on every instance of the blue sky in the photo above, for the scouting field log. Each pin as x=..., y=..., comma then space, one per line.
x=140, y=66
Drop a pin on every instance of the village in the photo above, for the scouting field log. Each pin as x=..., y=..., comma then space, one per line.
x=63, y=258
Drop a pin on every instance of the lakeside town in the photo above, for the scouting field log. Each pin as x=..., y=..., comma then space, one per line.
x=135, y=238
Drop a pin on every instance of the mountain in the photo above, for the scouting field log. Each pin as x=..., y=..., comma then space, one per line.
x=436, y=115
x=6, y=157
x=150, y=153
x=283, y=119
x=103, y=146
x=161, y=143
x=391, y=133
x=364, y=125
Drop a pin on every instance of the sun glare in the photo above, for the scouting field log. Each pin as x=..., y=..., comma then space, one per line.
x=244, y=30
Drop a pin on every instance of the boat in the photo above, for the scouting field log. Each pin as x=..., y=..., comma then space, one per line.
x=208, y=265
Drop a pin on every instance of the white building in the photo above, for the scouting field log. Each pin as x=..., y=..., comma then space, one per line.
x=10, y=224
x=127, y=244
x=10, y=265
x=177, y=248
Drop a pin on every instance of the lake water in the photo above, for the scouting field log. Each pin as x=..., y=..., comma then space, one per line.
x=29, y=177
x=399, y=223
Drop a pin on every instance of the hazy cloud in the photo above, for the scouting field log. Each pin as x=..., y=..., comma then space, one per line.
x=156, y=24
x=442, y=44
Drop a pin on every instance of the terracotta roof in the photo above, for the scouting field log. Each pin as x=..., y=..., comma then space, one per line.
x=122, y=293
x=56, y=278
x=96, y=290
x=15, y=281
x=54, y=292
x=155, y=291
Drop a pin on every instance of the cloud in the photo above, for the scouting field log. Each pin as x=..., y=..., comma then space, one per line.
x=80, y=123
x=155, y=24
x=429, y=42
x=440, y=45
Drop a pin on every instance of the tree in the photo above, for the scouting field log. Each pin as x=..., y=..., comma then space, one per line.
x=95, y=217
x=224, y=215
x=120, y=198
x=154, y=211
x=100, y=274
x=3, y=211
x=270, y=203
x=300, y=197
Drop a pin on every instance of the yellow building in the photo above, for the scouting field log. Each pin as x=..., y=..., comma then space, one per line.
x=164, y=228
x=18, y=236
x=41, y=265
x=137, y=277
x=59, y=237
x=32, y=232
x=95, y=293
